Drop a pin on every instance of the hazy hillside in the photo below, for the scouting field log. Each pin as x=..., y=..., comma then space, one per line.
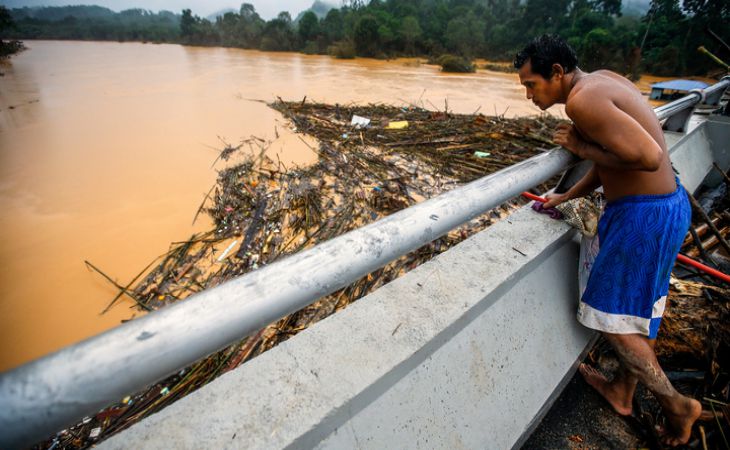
x=319, y=8
x=220, y=13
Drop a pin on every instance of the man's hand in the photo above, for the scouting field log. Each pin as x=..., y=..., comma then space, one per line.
x=567, y=136
x=555, y=199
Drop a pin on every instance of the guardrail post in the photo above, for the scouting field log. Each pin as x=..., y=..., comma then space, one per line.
x=712, y=98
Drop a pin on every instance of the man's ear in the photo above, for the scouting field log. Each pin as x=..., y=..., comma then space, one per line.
x=558, y=70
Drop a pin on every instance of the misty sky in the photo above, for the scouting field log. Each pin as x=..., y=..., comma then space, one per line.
x=267, y=9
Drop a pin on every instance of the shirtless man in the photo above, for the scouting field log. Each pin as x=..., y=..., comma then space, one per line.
x=641, y=230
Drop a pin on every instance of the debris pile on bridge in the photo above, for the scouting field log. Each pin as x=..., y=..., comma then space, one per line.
x=263, y=211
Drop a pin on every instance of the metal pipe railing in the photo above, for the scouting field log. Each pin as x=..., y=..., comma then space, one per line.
x=53, y=392
x=690, y=100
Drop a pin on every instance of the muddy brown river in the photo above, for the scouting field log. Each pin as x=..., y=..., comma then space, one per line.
x=106, y=151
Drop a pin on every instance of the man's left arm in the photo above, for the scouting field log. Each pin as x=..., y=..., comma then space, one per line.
x=618, y=140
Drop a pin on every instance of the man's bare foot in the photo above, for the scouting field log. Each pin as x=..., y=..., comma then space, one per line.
x=613, y=395
x=681, y=422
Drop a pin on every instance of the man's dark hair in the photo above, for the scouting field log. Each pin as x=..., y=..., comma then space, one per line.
x=545, y=51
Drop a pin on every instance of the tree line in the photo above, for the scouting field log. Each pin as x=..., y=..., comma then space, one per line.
x=663, y=41
x=93, y=23
x=7, y=48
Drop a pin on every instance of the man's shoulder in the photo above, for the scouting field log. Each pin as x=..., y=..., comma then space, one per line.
x=587, y=97
x=595, y=90
x=598, y=82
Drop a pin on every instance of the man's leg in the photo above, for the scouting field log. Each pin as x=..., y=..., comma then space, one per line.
x=636, y=354
x=619, y=392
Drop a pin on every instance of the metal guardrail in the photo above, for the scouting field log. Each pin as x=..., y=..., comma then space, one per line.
x=677, y=113
x=53, y=392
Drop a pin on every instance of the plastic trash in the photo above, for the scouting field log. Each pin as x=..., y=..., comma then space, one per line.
x=359, y=122
x=165, y=391
x=227, y=251
x=481, y=154
x=708, y=200
x=397, y=125
x=95, y=432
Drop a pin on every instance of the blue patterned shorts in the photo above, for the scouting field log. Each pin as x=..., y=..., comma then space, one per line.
x=639, y=237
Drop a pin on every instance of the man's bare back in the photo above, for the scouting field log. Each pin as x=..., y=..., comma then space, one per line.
x=610, y=96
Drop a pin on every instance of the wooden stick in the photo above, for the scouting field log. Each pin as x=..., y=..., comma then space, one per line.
x=700, y=247
x=701, y=212
x=704, y=438
x=724, y=175
x=122, y=288
x=701, y=230
x=712, y=241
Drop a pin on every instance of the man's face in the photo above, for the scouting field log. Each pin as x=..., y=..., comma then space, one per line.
x=542, y=92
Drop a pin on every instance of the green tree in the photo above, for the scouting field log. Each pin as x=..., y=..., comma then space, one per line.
x=308, y=27
x=228, y=28
x=465, y=35
x=278, y=34
x=187, y=24
x=7, y=23
x=662, y=38
x=595, y=50
x=411, y=32
x=386, y=37
x=6, y=20
x=365, y=36
x=250, y=27
x=333, y=26
x=704, y=16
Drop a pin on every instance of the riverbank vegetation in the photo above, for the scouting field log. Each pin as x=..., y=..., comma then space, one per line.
x=7, y=48
x=662, y=40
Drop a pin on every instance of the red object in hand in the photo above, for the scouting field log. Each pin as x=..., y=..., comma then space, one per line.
x=534, y=197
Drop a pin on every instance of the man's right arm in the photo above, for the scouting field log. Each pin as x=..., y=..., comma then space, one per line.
x=589, y=183
x=615, y=139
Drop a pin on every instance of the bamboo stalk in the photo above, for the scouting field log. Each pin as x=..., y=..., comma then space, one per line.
x=701, y=212
x=121, y=288
x=701, y=248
